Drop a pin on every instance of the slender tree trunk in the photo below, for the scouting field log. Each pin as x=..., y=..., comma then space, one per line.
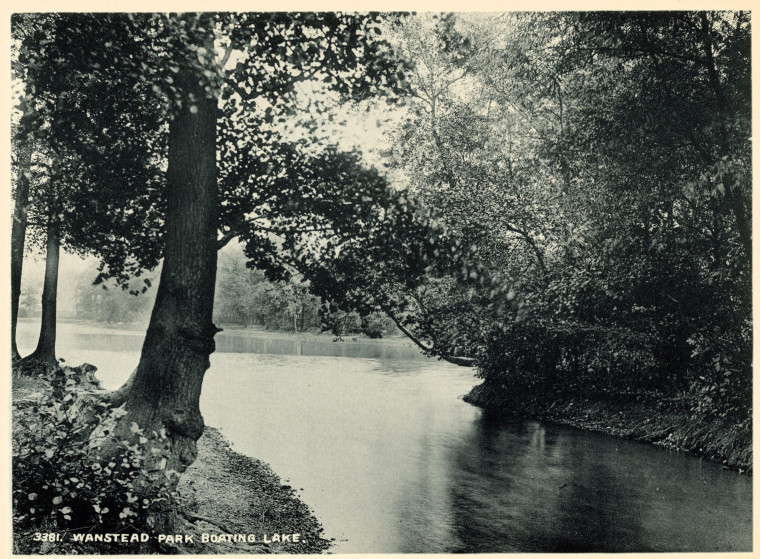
x=44, y=354
x=18, y=239
x=46, y=343
x=165, y=389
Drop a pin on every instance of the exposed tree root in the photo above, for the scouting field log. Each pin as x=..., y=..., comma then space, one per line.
x=35, y=365
x=192, y=517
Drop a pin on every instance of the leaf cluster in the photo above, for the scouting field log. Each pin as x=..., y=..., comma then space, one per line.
x=57, y=483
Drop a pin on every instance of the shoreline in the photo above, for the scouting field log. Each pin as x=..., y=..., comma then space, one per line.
x=645, y=420
x=229, y=503
x=230, y=493
x=232, y=330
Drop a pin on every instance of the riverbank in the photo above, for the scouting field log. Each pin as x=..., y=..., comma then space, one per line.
x=229, y=493
x=642, y=418
x=225, y=497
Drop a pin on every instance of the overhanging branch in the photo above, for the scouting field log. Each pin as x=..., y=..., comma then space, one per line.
x=461, y=361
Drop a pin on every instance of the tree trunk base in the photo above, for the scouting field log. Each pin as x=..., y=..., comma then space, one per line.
x=35, y=364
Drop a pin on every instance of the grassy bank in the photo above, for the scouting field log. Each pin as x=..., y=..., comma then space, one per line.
x=640, y=417
x=224, y=498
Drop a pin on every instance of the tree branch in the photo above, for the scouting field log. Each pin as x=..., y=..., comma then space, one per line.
x=461, y=361
x=533, y=245
x=229, y=235
x=226, y=56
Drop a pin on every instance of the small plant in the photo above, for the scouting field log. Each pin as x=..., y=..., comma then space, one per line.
x=59, y=482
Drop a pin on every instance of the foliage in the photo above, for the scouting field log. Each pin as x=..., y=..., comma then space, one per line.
x=270, y=183
x=557, y=359
x=595, y=166
x=376, y=325
x=340, y=323
x=722, y=385
x=59, y=486
x=95, y=166
x=107, y=302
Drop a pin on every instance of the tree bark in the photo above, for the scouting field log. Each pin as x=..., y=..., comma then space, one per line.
x=18, y=239
x=44, y=354
x=166, y=386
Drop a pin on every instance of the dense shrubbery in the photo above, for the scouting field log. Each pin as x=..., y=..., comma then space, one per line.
x=375, y=325
x=721, y=357
x=544, y=357
x=556, y=360
x=60, y=485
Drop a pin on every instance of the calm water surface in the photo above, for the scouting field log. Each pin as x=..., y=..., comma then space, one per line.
x=390, y=459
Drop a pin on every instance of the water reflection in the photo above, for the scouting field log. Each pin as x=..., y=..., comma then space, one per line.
x=541, y=488
x=284, y=345
x=100, y=337
x=391, y=461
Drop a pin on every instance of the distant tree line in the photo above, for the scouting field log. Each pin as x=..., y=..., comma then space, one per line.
x=244, y=296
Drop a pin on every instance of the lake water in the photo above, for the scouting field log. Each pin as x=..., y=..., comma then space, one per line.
x=391, y=460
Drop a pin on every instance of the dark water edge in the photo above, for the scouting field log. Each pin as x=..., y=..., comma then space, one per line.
x=645, y=420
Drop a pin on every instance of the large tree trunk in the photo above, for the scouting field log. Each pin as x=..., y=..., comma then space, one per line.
x=44, y=354
x=164, y=391
x=18, y=238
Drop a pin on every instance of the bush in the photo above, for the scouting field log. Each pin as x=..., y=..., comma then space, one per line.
x=59, y=484
x=556, y=360
x=375, y=325
x=340, y=323
x=722, y=371
x=546, y=358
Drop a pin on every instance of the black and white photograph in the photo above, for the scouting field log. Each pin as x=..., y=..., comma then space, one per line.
x=378, y=281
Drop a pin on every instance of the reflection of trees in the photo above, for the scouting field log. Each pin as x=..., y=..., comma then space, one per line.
x=521, y=488
x=597, y=508
x=423, y=504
